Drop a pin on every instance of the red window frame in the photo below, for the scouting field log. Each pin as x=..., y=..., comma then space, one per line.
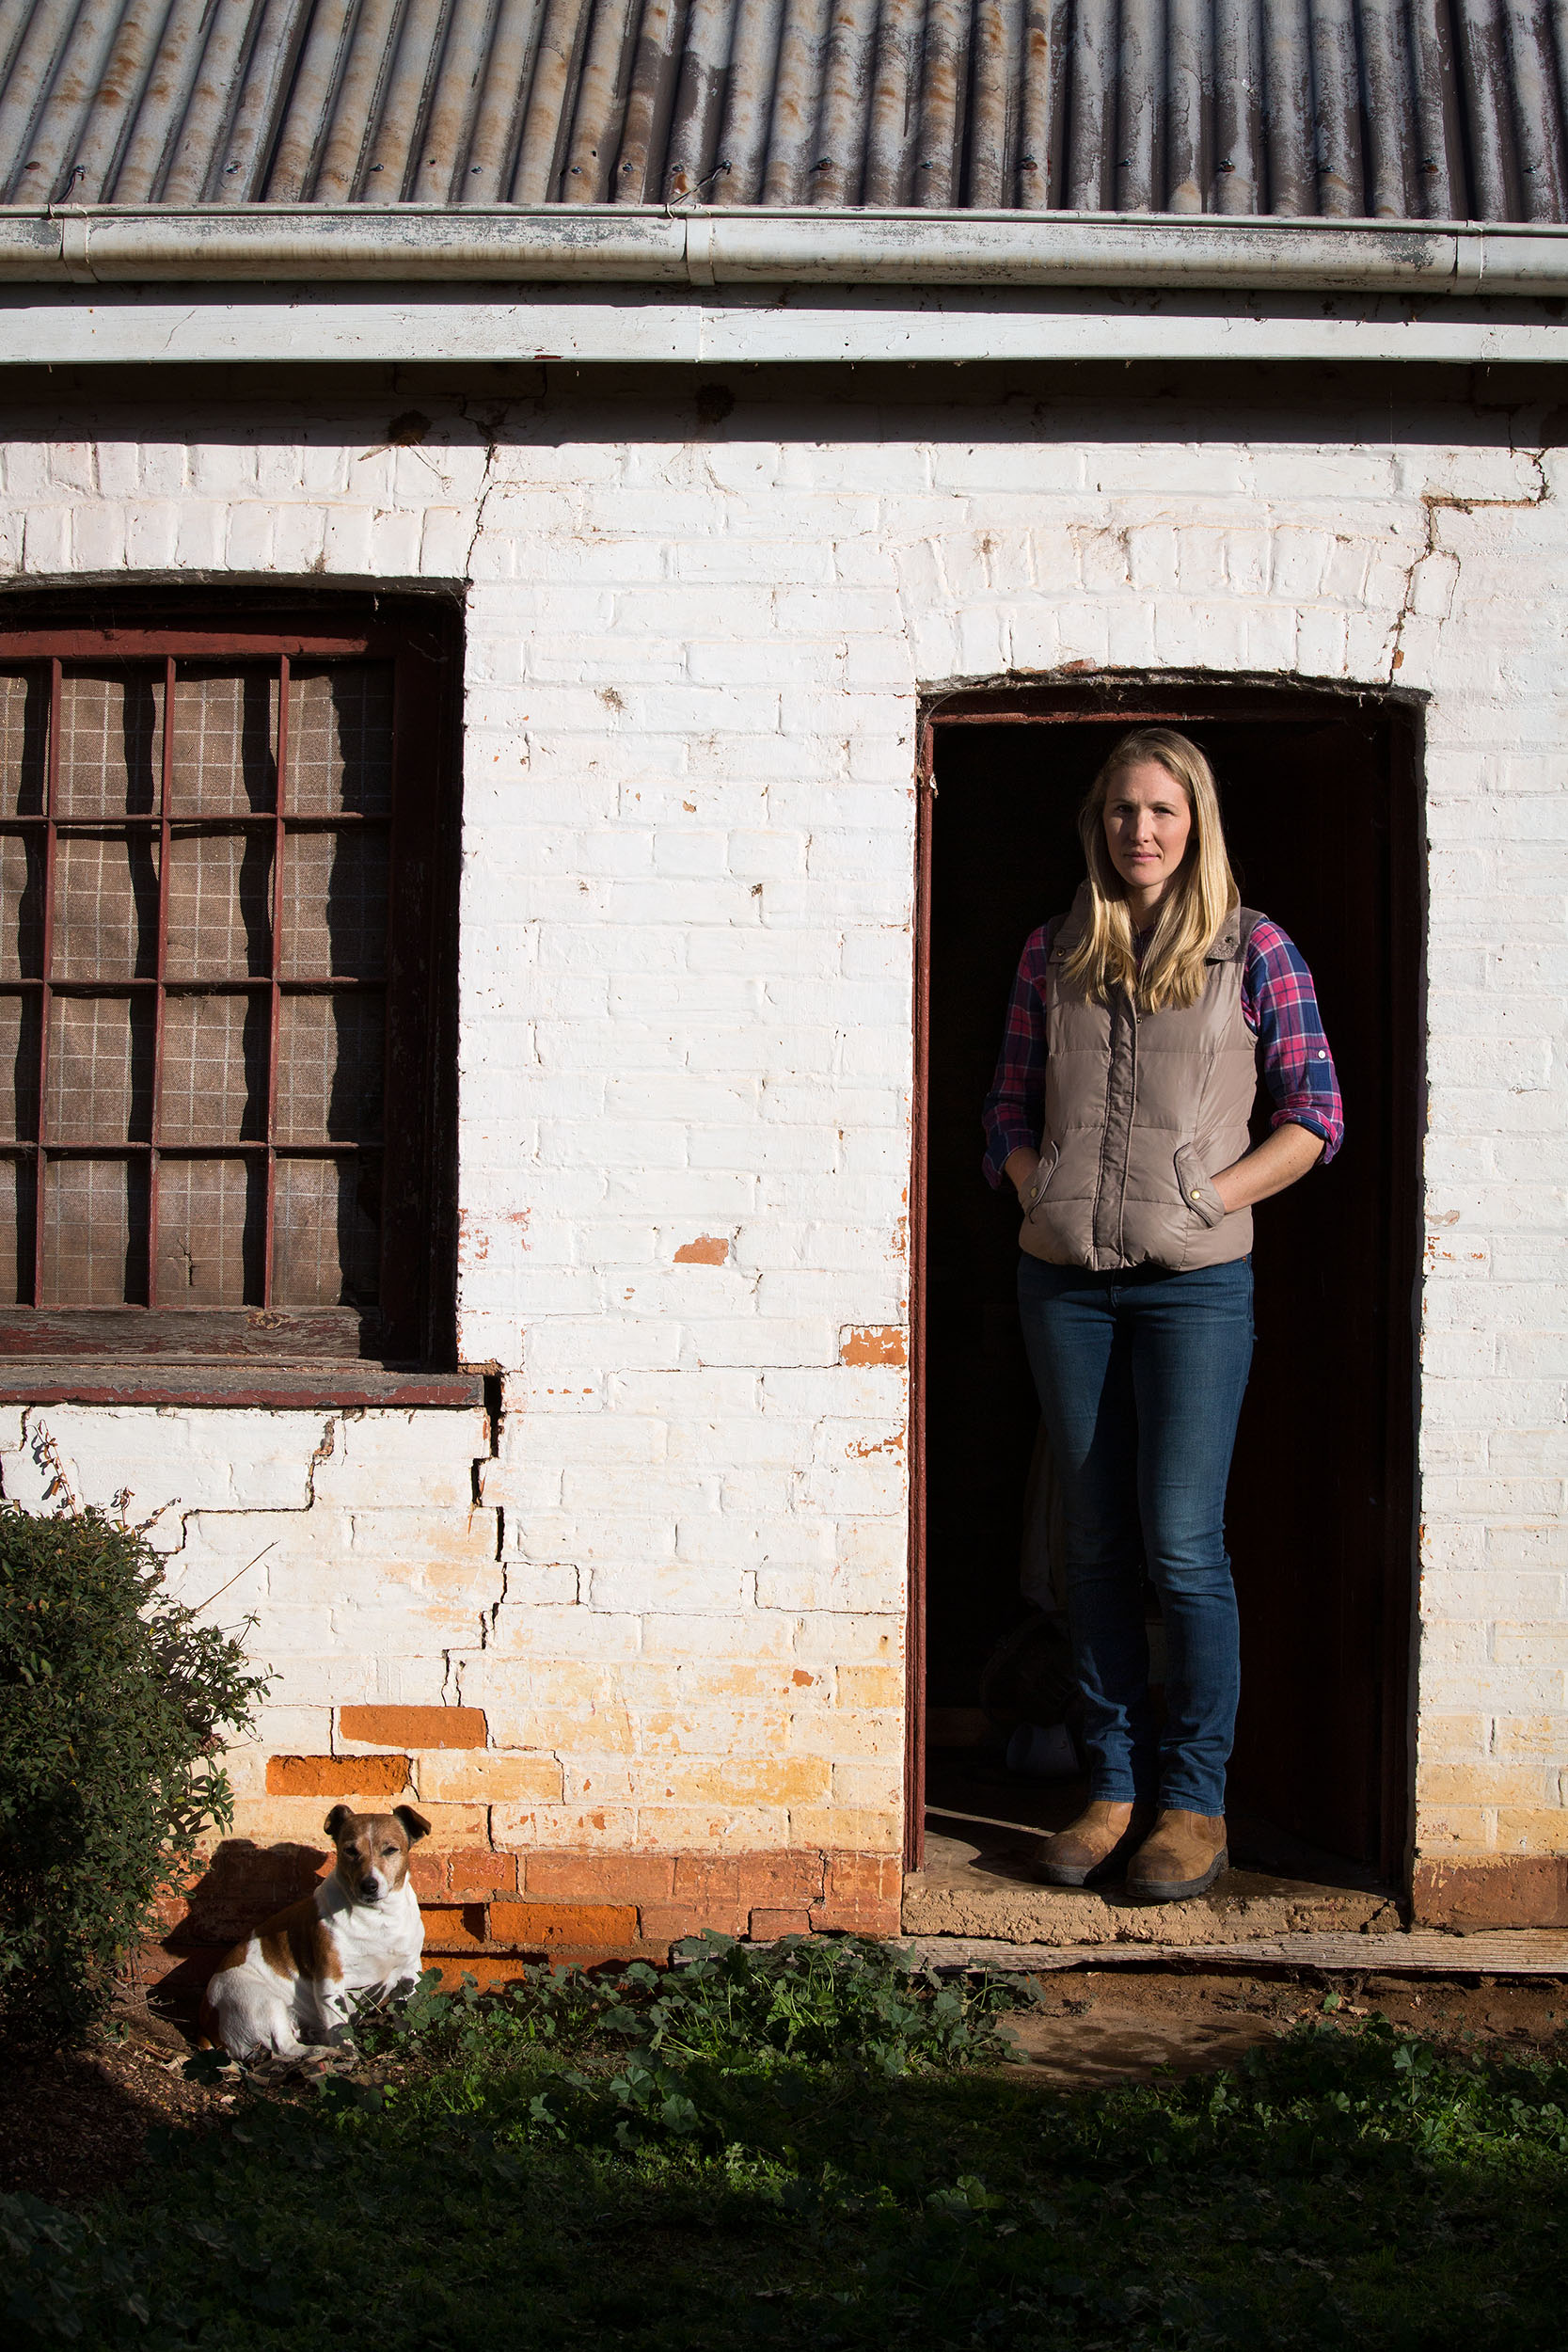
x=405, y=1349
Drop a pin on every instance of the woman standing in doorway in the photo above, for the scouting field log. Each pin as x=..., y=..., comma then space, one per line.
x=1120, y=1114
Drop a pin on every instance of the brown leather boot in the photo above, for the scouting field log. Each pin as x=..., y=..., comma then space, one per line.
x=1184, y=1854
x=1093, y=1846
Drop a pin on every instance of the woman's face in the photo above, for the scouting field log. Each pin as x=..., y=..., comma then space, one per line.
x=1149, y=825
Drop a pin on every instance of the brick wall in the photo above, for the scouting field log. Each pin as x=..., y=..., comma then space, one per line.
x=673, y=1592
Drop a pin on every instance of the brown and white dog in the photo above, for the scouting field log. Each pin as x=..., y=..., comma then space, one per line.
x=299, y=1978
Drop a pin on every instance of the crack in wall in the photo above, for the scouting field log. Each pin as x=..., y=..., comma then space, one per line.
x=1437, y=502
x=322, y=1452
x=38, y=1439
x=492, y=427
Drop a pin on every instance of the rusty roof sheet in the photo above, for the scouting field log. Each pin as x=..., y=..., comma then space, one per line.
x=1391, y=109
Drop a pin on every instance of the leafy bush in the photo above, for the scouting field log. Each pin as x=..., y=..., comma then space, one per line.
x=811, y=1999
x=112, y=1700
x=678, y=2056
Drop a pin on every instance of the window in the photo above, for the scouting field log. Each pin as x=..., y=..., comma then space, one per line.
x=227, y=862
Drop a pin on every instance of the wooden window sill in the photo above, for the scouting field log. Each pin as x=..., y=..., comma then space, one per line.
x=277, y=1387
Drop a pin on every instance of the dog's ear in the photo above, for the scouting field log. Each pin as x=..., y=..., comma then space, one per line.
x=414, y=1823
x=335, y=1820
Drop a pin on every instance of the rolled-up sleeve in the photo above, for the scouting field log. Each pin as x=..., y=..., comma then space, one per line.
x=1280, y=1005
x=1015, y=1108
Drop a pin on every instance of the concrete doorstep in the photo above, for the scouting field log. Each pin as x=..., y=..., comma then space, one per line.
x=984, y=1886
x=975, y=1902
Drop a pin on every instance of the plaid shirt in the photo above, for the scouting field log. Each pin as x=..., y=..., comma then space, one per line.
x=1279, y=1006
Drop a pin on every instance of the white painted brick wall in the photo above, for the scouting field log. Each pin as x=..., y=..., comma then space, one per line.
x=686, y=933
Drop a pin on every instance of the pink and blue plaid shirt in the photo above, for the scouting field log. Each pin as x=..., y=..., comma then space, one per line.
x=1279, y=1006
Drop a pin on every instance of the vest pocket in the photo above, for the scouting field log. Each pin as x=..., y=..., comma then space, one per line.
x=1197, y=1190
x=1041, y=1179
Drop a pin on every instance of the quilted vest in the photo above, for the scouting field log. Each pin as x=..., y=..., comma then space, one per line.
x=1140, y=1108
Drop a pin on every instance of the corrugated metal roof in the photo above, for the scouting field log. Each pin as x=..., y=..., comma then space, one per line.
x=1394, y=110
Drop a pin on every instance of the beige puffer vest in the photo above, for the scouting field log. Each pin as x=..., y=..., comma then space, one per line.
x=1140, y=1108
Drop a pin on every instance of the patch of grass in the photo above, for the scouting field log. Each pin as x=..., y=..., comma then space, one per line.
x=813, y=2147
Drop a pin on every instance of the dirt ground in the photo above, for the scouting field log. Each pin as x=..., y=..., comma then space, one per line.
x=1103, y=2026
x=74, y=2126
x=74, y=2123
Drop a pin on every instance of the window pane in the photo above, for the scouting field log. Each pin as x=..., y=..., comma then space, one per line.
x=334, y=905
x=219, y=906
x=214, y=1085
x=330, y=1053
x=18, y=1068
x=326, y=1240
x=23, y=741
x=21, y=907
x=100, y=1070
x=224, y=759
x=111, y=743
x=94, y=1232
x=211, y=1232
x=340, y=740
x=105, y=908
x=16, y=1233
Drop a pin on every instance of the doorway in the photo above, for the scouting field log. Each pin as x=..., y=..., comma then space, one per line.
x=1322, y=806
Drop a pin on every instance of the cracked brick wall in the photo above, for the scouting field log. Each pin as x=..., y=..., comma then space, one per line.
x=671, y=1590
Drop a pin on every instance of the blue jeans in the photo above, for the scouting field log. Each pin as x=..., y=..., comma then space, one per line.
x=1141, y=1376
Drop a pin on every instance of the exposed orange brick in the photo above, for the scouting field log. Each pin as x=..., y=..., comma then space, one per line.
x=495, y=1968
x=666, y=1923
x=782, y=1879
x=867, y=1916
x=378, y=1776
x=708, y=1877
x=595, y=1955
x=779, y=1878
x=863, y=1894
x=452, y=1926
x=878, y=1875
x=1514, y=1891
x=707, y=1249
x=414, y=1727
x=474, y=1873
x=599, y=1878
x=872, y=1343
x=489, y=1970
x=541, y=1926
x=768, y=1925
x=428, y=1874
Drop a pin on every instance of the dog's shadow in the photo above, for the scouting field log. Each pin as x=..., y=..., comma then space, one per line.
x=242, y=1883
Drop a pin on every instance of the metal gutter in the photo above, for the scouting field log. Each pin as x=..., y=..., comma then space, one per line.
x=562, y=245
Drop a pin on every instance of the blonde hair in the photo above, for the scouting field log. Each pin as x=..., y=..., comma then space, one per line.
x=1192, y=909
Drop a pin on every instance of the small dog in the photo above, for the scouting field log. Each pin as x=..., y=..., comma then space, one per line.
x=298, y=1979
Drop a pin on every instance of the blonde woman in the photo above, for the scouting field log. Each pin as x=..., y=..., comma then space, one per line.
x=1119, y=1112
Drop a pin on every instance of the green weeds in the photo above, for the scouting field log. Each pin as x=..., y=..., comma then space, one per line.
x=813, y=2147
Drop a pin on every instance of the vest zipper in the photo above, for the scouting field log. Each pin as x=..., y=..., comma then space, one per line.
x=1132, y=1126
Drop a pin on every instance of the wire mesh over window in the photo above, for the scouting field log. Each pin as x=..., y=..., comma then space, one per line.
x=195, y=869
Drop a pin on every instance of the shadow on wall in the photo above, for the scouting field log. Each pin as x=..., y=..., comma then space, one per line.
x=242, y=1884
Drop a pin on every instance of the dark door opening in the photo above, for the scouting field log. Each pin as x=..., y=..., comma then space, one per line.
x=1321, y=799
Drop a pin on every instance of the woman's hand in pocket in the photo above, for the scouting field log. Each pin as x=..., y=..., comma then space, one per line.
x=1020, y=1168
x=1283, y=1158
